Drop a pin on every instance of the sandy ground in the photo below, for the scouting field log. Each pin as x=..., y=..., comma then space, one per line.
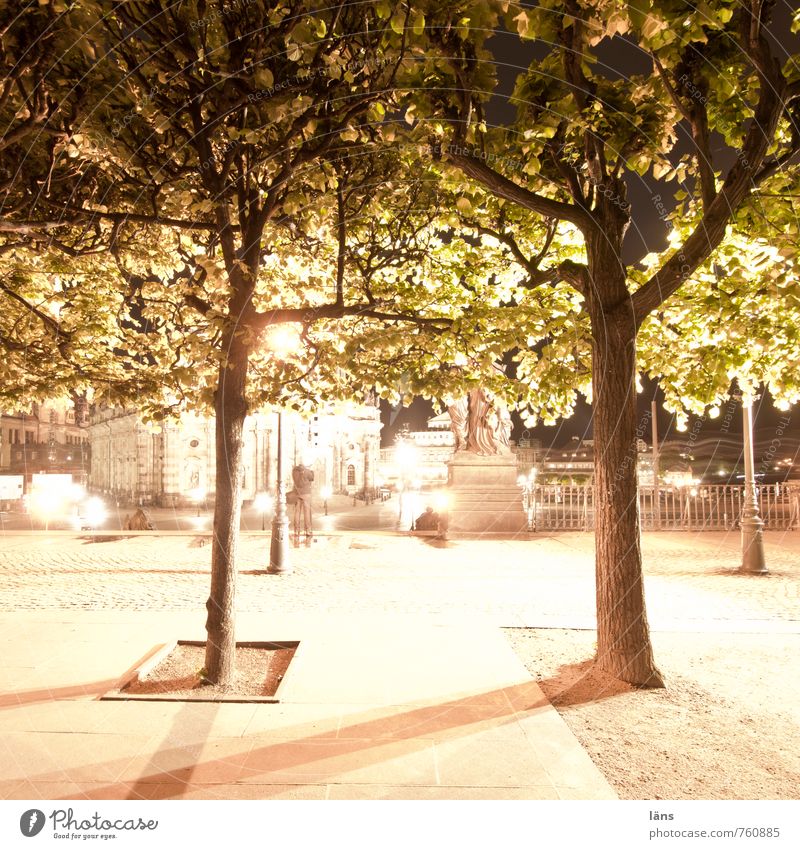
x=259, y=671
x=726, y=727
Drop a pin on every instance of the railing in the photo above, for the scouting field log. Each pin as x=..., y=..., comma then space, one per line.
x=697, y=508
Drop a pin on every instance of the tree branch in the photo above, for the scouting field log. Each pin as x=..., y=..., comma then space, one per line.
x=303, y=315
x=503, y=187
x=738, y=184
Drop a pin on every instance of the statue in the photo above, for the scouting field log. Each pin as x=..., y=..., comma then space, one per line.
x=459, y=412
x=481, y=423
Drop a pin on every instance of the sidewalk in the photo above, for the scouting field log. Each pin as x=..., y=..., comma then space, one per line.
x=372, y=707
x=403, y=685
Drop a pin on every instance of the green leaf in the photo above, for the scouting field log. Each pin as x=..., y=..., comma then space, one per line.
x=398, y=23
x=264, y=78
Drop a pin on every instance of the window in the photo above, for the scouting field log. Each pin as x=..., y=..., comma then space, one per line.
x=351, y=475
x=29, y=436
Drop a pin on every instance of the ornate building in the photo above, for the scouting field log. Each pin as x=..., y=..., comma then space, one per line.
x=173, y=463
x=51, y=439
x=426, y=462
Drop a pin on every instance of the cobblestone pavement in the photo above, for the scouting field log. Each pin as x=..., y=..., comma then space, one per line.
x=691, y=579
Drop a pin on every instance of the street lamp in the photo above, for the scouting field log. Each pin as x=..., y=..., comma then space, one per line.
x=198, y=495
x=752, y=524
x=528, y=484
x=262, y=502
x=406, y=460
x=282, y=341
x=325, y=492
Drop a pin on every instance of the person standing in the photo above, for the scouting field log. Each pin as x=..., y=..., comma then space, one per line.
x=302, y=478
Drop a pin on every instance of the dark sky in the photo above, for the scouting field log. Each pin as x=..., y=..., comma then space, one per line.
x=617, y=58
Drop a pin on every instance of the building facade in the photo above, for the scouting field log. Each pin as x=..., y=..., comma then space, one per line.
x=173, y=464
x=419, y=456
x=53, y=438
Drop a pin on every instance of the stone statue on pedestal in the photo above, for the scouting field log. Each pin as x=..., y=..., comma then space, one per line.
x=480, y=423
x=483, y=495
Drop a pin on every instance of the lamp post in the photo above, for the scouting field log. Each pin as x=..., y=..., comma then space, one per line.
x=752, y=524
x=528, y=484
x=279, y=544
x=325, y=492
x=282, y=340
x=656, y=468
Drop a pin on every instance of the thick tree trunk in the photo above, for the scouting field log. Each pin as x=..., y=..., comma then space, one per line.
x=623, y=636
x=231, y=409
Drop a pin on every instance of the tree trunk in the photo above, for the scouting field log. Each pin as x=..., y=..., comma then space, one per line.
x=623, y=636
x=231, y=409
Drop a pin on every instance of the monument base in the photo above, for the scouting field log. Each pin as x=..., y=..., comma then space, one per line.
x=485, y=498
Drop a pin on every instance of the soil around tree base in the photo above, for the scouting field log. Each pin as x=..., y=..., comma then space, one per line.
x=179, y=675
x=725, y=727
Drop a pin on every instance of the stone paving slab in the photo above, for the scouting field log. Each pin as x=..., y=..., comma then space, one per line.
x=379, y=708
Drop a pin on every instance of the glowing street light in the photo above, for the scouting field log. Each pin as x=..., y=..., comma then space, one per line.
x=46, y=504
x=325, y=492
x=263, y=504
x=198, y=495
x=405, y=456
x=92, y=514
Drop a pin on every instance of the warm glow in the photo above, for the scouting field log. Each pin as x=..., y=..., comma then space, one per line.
x=441, y=501
x=263, y=502
x=325, y=492
x=406, y=456
x=77, y=491
x=46, y=503
x=197, y=494
x=91, y=514
x=283, y=339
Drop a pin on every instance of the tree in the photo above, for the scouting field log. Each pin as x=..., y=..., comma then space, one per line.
x=210, y=171
x=585, y=130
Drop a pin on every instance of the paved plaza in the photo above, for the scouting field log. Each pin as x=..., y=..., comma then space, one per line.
x=691, y=578
x=404, y=686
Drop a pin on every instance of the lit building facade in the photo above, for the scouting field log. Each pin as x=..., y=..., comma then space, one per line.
x=52, y=438
x=173, y=464
x=426, y=461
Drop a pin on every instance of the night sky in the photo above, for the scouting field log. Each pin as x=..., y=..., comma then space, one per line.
x=617, y=58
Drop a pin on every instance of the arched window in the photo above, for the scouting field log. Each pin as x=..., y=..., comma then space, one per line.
x=351, y=475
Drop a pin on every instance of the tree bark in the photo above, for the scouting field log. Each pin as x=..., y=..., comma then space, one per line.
x=230, y=406
x=623, y=637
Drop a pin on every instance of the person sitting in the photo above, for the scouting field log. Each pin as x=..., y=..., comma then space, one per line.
x=427, y=521
x=139, y=521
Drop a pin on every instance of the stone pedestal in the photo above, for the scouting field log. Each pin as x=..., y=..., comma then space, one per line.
x=485, y=498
